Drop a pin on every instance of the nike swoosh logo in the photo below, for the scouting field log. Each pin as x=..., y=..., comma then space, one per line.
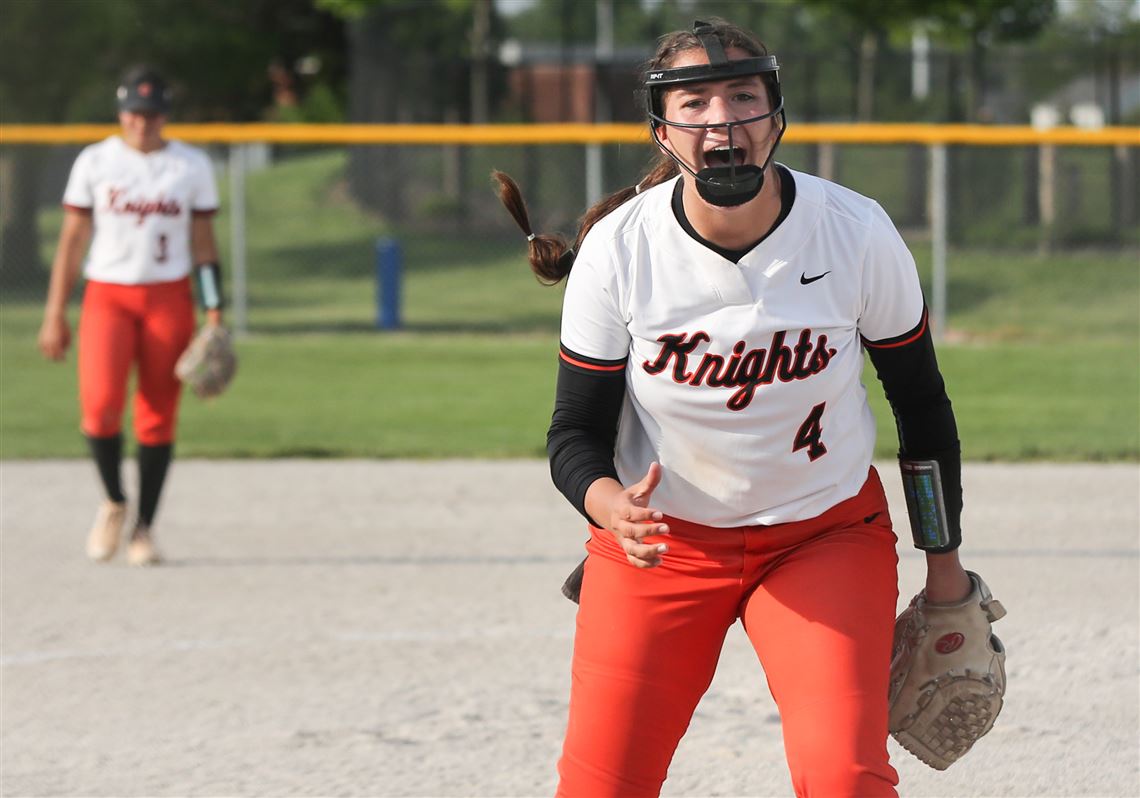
x=805, y=280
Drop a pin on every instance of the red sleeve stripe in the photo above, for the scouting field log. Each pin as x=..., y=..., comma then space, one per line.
x=591, y=366
x=78, y=209
x=891, y=343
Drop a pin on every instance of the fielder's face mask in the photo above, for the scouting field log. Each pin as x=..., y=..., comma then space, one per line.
x=729, y=185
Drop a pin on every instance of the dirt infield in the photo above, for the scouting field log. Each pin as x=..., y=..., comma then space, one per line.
x=352, y=628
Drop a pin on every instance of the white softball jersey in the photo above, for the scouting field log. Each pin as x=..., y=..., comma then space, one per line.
x=744, y=379
x=142, y=205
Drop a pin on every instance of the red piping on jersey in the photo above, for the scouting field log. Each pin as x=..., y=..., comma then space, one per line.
x=590, y=366
x=911, y=339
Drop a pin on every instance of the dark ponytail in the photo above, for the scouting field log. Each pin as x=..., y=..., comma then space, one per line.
x=551, y=256
x=546, y=252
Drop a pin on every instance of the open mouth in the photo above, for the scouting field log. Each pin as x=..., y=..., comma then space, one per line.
x=725, y=156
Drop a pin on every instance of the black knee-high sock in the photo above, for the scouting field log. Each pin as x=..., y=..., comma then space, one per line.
x=108, y=454
x=153, y=462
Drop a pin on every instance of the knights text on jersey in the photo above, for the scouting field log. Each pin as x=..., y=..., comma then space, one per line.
x=743, y=379
x=142, y=204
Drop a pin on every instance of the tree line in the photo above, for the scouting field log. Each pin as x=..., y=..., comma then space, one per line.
x=439, y=61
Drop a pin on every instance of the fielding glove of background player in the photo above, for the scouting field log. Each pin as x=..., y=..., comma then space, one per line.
x=947, y=675
x=209, y=363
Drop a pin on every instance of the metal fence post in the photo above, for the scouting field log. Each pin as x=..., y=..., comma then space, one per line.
x=1047, y=196
x=594, y=177
x=389, y=272
x=238, y=317
x=938, y=235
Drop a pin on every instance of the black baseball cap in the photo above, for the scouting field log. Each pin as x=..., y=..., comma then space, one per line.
x=143, y=90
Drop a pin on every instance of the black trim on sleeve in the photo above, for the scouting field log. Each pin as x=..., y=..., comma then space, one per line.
x=583, y=428
x=908, y=369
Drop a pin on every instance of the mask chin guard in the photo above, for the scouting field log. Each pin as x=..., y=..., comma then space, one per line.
x=728, y=186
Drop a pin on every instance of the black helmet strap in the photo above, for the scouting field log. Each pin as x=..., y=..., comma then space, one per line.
x=711, y=42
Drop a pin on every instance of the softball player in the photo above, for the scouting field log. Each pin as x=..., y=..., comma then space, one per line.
x=145, y=205
x=711, y=425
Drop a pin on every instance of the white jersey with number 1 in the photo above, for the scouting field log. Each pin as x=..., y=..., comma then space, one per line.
x=743, y=379
x=142, y=204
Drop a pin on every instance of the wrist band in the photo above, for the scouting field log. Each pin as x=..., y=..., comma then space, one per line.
x=208, y=279
x=926, y=505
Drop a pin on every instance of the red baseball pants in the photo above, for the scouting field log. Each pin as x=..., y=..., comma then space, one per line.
x=120, y=325
x=817, y=600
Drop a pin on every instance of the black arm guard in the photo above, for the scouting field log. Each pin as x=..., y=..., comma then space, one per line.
x=208, y=281
x=926, y=505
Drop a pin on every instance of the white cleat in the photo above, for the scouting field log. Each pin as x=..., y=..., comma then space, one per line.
x=141, y=550
x=103, y=540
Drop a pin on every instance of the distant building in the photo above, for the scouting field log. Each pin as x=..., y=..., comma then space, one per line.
x=549, y=83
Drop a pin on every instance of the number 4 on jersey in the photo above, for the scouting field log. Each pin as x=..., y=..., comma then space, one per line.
x=807, y=437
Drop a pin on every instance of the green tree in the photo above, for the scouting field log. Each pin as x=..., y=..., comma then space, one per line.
x=37, y=85
x=414, y=61
x=979, y=25
x=60, y=61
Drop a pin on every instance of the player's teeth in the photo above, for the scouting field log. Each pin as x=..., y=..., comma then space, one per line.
x=724, y=155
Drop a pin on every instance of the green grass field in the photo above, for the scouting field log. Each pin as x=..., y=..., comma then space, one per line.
x=1042, y=358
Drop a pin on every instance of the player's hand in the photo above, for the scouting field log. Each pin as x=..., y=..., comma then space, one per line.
x=631, y=519
x=55, y=336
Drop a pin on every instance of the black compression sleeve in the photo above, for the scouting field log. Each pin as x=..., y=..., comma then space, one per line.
x=580, y=441
x=908, y=369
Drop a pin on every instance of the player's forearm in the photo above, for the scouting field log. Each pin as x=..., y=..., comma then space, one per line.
x=204, y=251
x=578, y=462
x=583, y=428
x=924, y=417
x=203, y=245
x=59, y=291
x=946, y=579
x=600, y=497
x=65, y=268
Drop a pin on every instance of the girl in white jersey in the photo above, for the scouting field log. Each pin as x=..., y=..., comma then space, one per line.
x=711, y=425
x=145, y=205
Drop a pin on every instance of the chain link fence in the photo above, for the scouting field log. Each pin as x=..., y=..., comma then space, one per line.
x=313, y=212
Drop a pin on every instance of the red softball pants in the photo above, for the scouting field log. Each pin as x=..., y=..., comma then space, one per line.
x=817, y=599
x=124, y=325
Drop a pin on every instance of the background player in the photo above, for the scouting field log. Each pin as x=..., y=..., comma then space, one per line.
x=710, y=423
x=149, y=203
